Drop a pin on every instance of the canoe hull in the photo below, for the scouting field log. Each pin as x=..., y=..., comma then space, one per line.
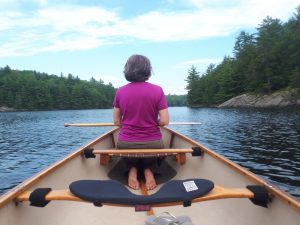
x=282, y=210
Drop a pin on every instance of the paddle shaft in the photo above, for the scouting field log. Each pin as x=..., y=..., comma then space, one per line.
x=112, y=124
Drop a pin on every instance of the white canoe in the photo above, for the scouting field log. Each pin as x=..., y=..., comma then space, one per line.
x=227, y=203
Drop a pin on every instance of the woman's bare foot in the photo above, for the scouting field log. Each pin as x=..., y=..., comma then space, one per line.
x=150, y=180
x=132, y=179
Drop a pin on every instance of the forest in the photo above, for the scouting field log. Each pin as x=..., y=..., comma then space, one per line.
x=176, y=100
x=31, y=90
x=263, y=62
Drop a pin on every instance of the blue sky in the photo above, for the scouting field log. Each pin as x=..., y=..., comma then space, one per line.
x=95, y=38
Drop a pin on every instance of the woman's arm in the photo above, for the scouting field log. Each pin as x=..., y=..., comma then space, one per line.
x=163, y=117
x=117, y=116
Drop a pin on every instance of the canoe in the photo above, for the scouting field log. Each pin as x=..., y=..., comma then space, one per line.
x=235, y=196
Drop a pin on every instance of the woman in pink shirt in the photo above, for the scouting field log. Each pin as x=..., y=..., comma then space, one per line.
x=140, y=108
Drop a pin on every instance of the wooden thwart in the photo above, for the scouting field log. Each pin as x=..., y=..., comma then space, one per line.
x=217, y=193
x=106, y=154
x=143, y=151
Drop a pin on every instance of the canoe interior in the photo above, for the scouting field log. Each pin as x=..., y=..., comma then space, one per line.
x=209, y=166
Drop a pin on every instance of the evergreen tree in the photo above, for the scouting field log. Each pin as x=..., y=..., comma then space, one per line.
x=192, y=79
x=263, y=63
x=269, y=57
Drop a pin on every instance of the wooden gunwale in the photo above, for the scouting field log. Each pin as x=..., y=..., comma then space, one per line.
x=283, y=196
x=12, y=194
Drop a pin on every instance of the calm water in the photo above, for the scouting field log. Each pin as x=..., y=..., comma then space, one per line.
x=267, y=142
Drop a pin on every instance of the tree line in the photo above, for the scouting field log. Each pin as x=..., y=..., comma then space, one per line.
x=32, y=90
x=176, y=100
x=262, y=62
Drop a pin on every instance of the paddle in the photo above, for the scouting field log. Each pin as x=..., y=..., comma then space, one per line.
x=111, y=124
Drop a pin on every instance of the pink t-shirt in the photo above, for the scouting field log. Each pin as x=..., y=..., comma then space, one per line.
x=140, y=103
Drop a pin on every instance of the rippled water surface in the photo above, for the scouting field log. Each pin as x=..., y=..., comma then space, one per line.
x=267, y=142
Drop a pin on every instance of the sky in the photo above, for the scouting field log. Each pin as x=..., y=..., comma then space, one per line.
x=95, y=38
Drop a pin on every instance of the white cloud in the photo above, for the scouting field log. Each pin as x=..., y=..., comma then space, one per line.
x=40, y=2
x=3, y=2
x=74, y=17
x=75, y=27
x=254, y=9
x=204, y=62
x=185, y=25
x=14, y=3
x=178, y=90
x=54, y=29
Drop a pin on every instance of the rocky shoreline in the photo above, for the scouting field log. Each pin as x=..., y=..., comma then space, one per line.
x=279, y=99
x=7, y=109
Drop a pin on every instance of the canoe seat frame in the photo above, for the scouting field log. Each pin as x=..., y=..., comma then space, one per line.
x=105, y=155
x=256, y=193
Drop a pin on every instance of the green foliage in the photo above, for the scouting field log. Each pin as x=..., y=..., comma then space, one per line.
x=176, y=100
x=192, y=79
x=39, y=91
x=295, y=79
x=264, y=62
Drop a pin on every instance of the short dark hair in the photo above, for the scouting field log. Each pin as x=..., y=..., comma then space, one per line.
x=137, y=68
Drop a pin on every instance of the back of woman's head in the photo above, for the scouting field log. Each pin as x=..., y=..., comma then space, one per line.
x=137, y=68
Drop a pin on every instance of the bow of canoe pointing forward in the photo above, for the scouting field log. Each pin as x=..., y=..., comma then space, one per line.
x=206, y=189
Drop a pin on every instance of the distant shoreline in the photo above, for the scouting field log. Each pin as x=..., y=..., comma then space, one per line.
x=279, y=99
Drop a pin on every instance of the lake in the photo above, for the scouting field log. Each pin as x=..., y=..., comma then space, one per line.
x=266, y=141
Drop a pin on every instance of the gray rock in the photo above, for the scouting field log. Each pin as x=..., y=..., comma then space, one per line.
x=277, y=99
x=6, y=109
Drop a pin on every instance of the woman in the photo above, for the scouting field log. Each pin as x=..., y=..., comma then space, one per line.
x=140, y=108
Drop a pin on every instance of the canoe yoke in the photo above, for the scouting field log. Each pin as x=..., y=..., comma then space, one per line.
x=111, y=191
x=174, y=192
x=142, y=153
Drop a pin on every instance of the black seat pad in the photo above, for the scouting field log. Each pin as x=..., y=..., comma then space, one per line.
x=111, y=191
